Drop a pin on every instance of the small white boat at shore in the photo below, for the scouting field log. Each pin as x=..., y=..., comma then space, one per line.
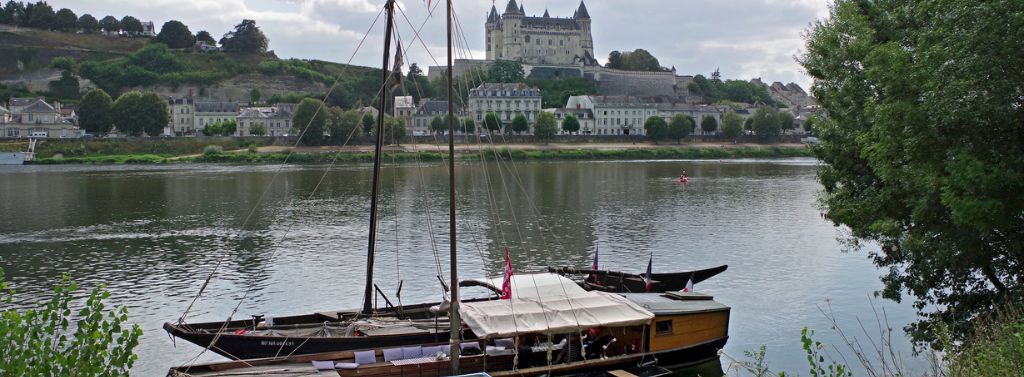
x=19, y=158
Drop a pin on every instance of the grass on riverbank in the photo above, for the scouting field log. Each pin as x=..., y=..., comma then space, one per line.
x=102, y=148
x=194, y=152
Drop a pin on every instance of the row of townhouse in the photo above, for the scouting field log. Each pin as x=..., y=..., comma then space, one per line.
x=505, y=100
x=34, y=117
x=190, y=116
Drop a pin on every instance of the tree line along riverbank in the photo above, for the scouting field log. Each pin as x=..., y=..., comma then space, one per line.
x=260, y=150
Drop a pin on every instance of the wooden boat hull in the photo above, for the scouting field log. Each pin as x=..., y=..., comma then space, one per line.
x=618, y=282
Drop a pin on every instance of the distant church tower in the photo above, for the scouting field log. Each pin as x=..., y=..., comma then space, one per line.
x=539, y=40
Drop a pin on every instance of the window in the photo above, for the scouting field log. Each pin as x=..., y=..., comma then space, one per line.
x=663, y=327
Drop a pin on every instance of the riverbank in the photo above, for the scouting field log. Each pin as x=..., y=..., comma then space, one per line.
x=434, y=152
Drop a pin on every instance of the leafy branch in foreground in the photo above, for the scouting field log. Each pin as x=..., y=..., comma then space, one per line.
x=54, y=340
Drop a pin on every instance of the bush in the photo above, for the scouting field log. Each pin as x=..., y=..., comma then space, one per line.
x=212, y=150
x=42, y=341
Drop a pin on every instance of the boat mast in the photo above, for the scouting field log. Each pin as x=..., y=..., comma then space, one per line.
x=389, y=8
x=453, y=316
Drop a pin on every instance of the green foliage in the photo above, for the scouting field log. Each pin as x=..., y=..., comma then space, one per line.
x=342, y=125
x=468, y=126
x=656, y=128
x=492, y=122
x=520, y=124
x=556, y=92
x=417, y=84
x=570, y=124
x=136, y=113
x=132, y=26
x=204, y=36
x=637, y=60
x=210, y=150
x=506, y=71
x=786, y=120
x=438, y=124
x=748, y=124
x=40, y=15
x=765, y=122
x=679, y=127
x=310, y=118
x=11, y=13
x=66, y=63
x=811, y=122
x=110, y=24
x=175, y=34
x=715, y=91
x=995, y=349
x=546, y=126
x=301, y=68
x=394, y=129
x=368, y=121
x=708, y=124
x=257, y=129
x=156, y=58
x=246, y=38
x=66, y=87
x=129, y=149
x=56, y=340
x=732, y=125
x=254, y=95
x=817, y=362
x=65, y=20
x=907, y=87
x=88, y=24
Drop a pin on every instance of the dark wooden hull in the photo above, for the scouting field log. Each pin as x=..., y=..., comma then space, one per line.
x=238, y=347
x=619, y=282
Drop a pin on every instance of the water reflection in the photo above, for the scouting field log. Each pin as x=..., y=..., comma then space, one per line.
x=154, y=233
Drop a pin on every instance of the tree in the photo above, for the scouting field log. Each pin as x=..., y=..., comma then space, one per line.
x=40, y=16
x=66, y=63
x=65, y=20
x=748, y=124
x=811, y=122
x=394, y=129
x=418, y=83
x=786, y=120
x=732, y=125
x=637, y=60
x=257, y=129
x=66, y=87
x=309, y=118
x=656, y=128
x=175, y=34
x=615, y=60
x=765, y=122
x=708, y=124
x=520, y=124
x=507, y=71
x=12, y=12
x=94, y=341
x=368, y=122
x=88, y=24
x=546, y=126
x=254, y=95
x=342, y=125
x=204, y=36
x=492, y=122
x=132, y=26
x=468, y=126
x=246, y=38
x=136, y=113
x=212, y=129
x=95, y=112
x=110, y=24
x=570, y=124
x=679, y=127
x=438, y=125
x=905, y=163
x=228, y=127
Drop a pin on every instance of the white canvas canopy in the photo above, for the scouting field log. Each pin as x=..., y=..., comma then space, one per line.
x=549, y=303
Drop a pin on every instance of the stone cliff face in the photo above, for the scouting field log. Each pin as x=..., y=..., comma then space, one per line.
x=239, y=87
x=791, y=95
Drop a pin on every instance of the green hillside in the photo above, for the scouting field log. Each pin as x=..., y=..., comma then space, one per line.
x=116, y=64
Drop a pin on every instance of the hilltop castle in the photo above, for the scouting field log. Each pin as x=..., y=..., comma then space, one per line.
x=542, y=40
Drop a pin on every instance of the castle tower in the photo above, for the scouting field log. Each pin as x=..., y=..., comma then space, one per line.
x=511, y=21
x=493, y=33
x=586, y=38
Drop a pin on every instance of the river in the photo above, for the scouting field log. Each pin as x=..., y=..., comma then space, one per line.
x=294, y=237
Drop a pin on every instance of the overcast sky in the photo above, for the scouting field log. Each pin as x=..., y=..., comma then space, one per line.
x=744, y=38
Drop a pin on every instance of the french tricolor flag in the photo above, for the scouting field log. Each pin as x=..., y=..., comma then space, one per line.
x=648, y=281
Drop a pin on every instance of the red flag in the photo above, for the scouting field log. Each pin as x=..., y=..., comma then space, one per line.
x=647, y=277
x=689, y=285
x=506, y=286
x=597, y=250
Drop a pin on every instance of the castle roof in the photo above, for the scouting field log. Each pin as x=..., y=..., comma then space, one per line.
x=582, y=12
x=493, y=16
x=512, y=7
x=549, y=22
